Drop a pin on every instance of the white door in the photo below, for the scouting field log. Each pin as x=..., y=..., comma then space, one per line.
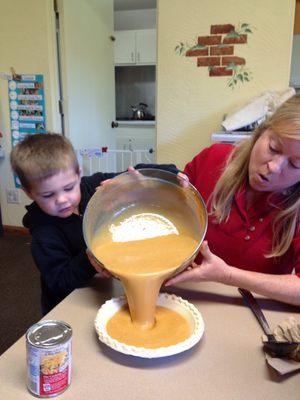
x=87, y=64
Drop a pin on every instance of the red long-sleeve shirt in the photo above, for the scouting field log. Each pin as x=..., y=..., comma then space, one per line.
x=243, y=240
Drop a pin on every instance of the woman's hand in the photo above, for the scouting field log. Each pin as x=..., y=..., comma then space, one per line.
x=283, y=288
x=183, y=179
x=97, y=265
x=212, y=268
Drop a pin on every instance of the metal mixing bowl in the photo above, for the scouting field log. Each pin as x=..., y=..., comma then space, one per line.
x=155, y=191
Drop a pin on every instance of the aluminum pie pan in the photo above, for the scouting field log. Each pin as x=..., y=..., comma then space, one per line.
x=176, y=303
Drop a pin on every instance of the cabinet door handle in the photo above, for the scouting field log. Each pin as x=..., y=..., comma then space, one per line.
x=132, y=56
x=138, y=56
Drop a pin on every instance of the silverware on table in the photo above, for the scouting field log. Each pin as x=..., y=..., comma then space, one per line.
x=274, y=347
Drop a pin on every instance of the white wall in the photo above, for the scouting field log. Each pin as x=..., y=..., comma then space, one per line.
x=27, y=44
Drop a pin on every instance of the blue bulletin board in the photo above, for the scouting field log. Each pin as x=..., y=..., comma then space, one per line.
x=27, y=108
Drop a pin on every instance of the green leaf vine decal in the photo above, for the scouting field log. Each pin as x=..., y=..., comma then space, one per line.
x=182, y=48
x=241, y=74
x=216, y=52
x=242, y=29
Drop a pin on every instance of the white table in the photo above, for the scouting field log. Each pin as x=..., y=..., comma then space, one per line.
x=227, y=364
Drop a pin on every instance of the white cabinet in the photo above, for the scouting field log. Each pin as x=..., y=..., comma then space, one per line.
x=125, y=47
x=135, y=143
x=135, y=151
x=140, y=144
x=135, y=47
x=145, y=41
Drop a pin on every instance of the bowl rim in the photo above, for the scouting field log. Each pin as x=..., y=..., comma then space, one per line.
x=171, y=178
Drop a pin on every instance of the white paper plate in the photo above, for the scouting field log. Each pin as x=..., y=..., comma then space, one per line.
x=176, y=303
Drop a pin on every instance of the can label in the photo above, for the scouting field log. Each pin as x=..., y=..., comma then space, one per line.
x=49, y=369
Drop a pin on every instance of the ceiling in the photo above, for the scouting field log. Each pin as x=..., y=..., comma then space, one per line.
x=124, y=5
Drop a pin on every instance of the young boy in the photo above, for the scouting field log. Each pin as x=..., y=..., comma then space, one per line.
x=47, y=167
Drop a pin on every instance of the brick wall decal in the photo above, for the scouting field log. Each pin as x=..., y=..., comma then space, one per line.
x=217, y=52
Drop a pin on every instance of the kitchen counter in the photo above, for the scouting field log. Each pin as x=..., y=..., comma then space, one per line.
x=228, y=363
x=230, y=137
x=133, y=122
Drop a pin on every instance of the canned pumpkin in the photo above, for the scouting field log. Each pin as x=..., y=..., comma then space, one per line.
x=49, y=358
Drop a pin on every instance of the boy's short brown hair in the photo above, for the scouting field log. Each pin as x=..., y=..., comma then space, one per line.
x=42, y=155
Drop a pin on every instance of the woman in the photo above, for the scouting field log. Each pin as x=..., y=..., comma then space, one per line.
x=252, y=192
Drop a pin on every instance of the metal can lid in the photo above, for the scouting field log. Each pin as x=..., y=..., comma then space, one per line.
x=49, y=333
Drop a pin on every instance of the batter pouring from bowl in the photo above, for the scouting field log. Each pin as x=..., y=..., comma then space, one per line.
x=143, y=245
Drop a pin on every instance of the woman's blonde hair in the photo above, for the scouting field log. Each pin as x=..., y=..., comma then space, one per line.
x=285, y=122
x=40, y=156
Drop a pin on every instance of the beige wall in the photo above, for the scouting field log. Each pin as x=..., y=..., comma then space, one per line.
x=27, y=45
x=190, y=104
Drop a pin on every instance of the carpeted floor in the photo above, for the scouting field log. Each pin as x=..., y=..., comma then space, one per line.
x=19, y=289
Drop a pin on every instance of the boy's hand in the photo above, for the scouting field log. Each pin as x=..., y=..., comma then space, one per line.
x=132, y=170
x=97, y=265
x=104, y=183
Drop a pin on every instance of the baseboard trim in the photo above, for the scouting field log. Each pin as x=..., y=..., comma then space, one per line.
x=15, y=230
